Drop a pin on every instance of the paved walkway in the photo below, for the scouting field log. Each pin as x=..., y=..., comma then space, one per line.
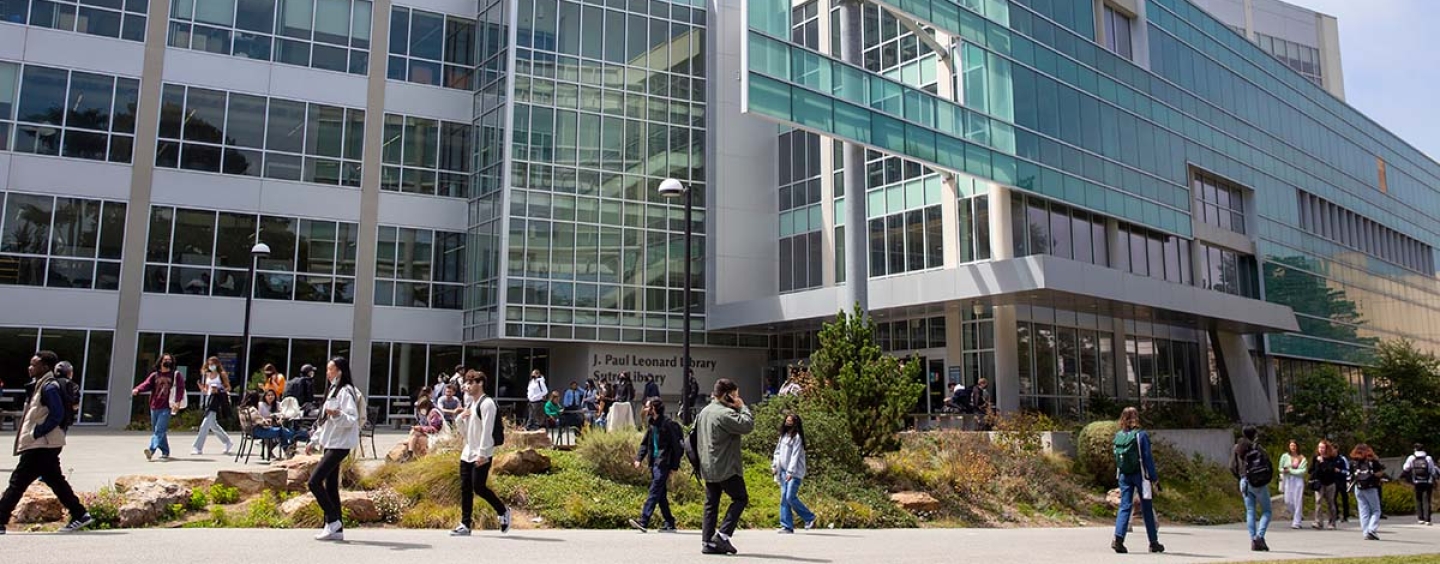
x=990, y=546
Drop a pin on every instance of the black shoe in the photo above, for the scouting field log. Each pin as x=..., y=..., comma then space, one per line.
x=1157, y=547
x=77, y=524
x=637, y=525
x=668, y=528
x=1118, y=545
x=723, y=544
x=710, y=548
x=1371, y=536
x=1255, y=545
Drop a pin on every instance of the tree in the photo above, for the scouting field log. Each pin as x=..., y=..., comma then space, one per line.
x=1406, y=396
x=1325, y=402
x=871, y=390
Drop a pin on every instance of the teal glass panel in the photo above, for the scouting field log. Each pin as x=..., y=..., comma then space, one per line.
x=887, y=133
x=770, y=16
x=769, y=56
x=813, y=109
x=770, y=97
x=852, y=122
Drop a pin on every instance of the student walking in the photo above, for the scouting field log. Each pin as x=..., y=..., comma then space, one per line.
x=1325, y=477
x=1342, y=490
x=661, y=446
x=535, y=393
x=1366, y=473
x=1135, y=470
x=788, y=464
x=1293, y=469
x=718, y=430
x=214, y=387
x=38, y=442
x=167, y=397
x=1252, y=467
x=1420, y=469
x=480, y=424
x=337, y=432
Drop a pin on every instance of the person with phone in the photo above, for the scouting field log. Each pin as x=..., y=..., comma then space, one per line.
x=719, y=429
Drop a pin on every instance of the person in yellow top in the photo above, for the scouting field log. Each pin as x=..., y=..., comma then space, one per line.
x=274, y=380
x=1294, y=467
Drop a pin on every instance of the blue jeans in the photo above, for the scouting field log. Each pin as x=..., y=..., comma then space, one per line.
x=790, y=504
x=286, y=436
x=1130, y=487
x=659, y=496
x=1369, y=501
x=160, y=439
x=1256, y=500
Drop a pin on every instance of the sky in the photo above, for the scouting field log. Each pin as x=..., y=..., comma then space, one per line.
x=1389, y=55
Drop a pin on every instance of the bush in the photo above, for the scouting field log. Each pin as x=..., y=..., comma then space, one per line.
x=611, y=456
x=434, y=478
x=198, y=500
x=1406, y=397
x=104, y=506
x=390, y=503
x=829, y=449
x=954, y=467
x=1095, y=453
x=431, y=515
x=223, y=494
x=1194, y=490
x=871, y=391
x=1020, y=433
x=1398, y=498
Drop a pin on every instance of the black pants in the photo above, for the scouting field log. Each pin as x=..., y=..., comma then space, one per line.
x=473, y=478
x=325, y=482
x=39, y=463
x=659, y=497
x=1342, y=500
x=1422, y=501
x=733, y=487
x=536, y=418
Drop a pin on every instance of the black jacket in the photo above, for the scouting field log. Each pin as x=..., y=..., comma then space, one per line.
x=301, y=389
x=1328, y=471
x=671, y=451
x=626, y=391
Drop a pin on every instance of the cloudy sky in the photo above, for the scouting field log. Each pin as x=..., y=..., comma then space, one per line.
x=1389, y=51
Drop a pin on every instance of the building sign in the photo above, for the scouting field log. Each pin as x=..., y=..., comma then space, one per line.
x=661, y=365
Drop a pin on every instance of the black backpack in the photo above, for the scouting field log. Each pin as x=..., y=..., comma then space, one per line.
x=70, y=392
x=497, y=431
x=1421, y=472
x=692, y=453
x=1258, y=470
x=1364, y=475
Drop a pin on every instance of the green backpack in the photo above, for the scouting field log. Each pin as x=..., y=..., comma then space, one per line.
x=1127, y=452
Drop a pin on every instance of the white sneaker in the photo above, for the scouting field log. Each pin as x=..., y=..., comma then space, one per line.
x=460, y=531
x=229, y=450
x=505, y=521
x=195, y=453
x=332, y=532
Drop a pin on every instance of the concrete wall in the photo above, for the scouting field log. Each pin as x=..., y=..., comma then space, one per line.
x=1214, y=445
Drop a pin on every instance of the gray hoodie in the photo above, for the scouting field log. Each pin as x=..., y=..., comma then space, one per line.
x=789, y=459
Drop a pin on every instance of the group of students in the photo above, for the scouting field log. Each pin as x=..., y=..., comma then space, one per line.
x=1329, y=475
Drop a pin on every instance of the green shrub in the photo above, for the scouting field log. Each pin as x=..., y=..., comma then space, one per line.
x=1398, y=498
x=433, y=478
x=430, y=515
x=1194, y=490
x=390, y=503
x=1019, y=434
x=263, y=513
x=829, y=449
x=104, y=506
x=223, y=494
x=871, y=391
x=611, y=456
x=955, y=467
x=1095, y=453
x=198, y=500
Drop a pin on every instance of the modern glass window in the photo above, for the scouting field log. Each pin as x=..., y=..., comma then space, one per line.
x=245, y=135
x=1300, y=58
x=88, y=350
x=426, y=156
x=324, y=34
x=1047, y=227
x=1340, y=225
x=420, y=268
x=207, y=253
x=123, y=19
x=898, y=242
x=1117, y=33
x=65, y=113
x=60, y=242
x=799, y=205
x=431, y=48
x=1230, y=272
x=1220, y=203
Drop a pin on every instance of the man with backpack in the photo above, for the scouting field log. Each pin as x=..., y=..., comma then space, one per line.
x=1420, y=469
x=1135, y=469
x=661, y=446
x=1252, y=467
x=483, y=432
x=302, y=388
x=50, y=410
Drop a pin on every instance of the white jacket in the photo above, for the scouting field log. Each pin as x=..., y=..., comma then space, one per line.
x=479, y=427
x=537, y=390
x=341, y=431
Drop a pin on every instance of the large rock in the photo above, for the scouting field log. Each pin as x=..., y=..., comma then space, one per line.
x=147, y=501
x=399, y=453
x=193, y=482
x=528, y=439
x=1112, y=498
x=38, y=505
x=357, y=505
x=522, y=463
x=253, y=481
x=298, y=471
x=916, y=502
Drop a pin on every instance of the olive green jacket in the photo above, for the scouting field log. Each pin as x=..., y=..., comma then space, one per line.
x=718, y=430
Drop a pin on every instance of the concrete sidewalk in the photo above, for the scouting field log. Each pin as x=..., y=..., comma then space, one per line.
x=990, y=546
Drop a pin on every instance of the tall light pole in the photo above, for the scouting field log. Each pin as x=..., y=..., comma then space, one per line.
x=672, y=188
x=257, y=252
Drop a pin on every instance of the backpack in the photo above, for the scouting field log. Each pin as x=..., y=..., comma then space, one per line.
x=70, y=394
x=1364, y=475
x=497, y=431
x=1421, y=472
x=1127, y=452
x=1258, y=470
x=692, y=453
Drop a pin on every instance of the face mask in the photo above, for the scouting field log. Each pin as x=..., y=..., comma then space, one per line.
x=169, y=364
x=214, y=368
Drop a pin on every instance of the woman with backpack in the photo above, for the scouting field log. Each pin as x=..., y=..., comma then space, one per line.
x=1420, y=469
x=214, y=386
x=1251, y=466
x=1366, y=473
x=1325, y=474
x=788, y=463
x=1135, y=470
x=1293, y=468
x=338, y=431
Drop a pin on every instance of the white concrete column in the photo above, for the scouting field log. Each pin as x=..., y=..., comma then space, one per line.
x=1007, y=360
x=1002, y=240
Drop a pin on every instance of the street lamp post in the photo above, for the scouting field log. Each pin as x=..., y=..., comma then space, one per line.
x=257, y=252
x=672, y=188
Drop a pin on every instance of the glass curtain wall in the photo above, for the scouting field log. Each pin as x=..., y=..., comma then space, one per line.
x=87, y=350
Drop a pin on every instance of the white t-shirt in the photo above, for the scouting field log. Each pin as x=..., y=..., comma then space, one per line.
x=480, y=422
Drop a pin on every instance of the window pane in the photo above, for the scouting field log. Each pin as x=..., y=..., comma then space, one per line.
x=245, y=124
x=27, y=224
x=90, y=101
x=296, y=17
x=285, y=131
x=194, y=237
x=42, y=95
x=77, y=227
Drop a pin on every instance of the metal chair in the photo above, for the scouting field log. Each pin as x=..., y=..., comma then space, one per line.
x=372, y=418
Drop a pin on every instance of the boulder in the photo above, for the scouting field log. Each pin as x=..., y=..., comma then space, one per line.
x=38, y=505
x=528, y=439
x=522, y=463
x=1112, y=498
x=146, y=502
x=253, y=481
x=399, y=453
x=193, y=482
x=298, y=471
x=357, y=505
x=916, y=502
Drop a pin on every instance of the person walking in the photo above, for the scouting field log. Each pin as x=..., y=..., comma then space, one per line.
x=661, y=446
x=1366, y=474
x=980, y=402
x=480, y=424
x=1325, y=477
x=167, y=397
x=38, y=441
x=1250, y=465
x=1342, y=490
x=337, y=432
x=1135, y=470
x=718, y=430
x=1293, y=469
x=652, y=388
x=1420, y=469
x=536, y=393
x=788, y=464
x=689, y=392
x=214, y=386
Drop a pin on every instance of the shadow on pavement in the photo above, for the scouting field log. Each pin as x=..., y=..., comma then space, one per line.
x=529, y=539
x=830, y=535
x=1190, y=555
x=397, y=546
x=780, y=557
